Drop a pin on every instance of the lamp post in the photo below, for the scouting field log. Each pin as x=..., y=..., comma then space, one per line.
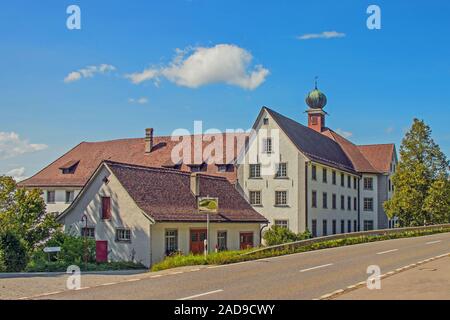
x=84, y=219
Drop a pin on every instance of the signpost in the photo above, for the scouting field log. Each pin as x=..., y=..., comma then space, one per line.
x=209, y=206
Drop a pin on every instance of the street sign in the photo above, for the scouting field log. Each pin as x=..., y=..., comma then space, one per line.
x=208, y=205
x=52, y=249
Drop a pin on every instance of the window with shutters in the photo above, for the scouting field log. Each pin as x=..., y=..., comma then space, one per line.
x=106, y=208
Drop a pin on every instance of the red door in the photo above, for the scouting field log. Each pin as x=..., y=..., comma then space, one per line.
x=198, y=237
x=246, y=240
x=101, y=251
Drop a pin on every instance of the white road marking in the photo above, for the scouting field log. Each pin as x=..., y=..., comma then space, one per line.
x=317, y=267
x=179, y=272
x=388, y=251
x=192, y=270
x=156, y=276
x=132, y=280
x=201, y=295
x=433, y=242
x=108, y=284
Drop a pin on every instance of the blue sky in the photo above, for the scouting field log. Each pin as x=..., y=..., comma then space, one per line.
x=376, y=81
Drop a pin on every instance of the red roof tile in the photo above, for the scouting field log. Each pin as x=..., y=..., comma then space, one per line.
x=360, y=163
x=165, y=194
x=132, y=151
x=379, y=155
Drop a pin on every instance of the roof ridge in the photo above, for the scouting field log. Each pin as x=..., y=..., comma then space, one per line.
x=376, y=144
x=161, y=169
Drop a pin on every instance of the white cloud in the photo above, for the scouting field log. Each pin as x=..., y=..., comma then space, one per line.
x=11, y=145
x=88, y=72
x=323, y=35
x=142, y=100
x=193, y=68
x=17, y=174
x=345, y=134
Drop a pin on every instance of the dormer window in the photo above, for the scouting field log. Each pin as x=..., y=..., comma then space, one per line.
x=198, y=167
x=70, y=167
x=225, y=167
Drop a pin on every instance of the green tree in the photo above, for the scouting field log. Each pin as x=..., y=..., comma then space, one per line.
x=422, y=165
x=23, y=213
x=14, y=253
x=437, y=202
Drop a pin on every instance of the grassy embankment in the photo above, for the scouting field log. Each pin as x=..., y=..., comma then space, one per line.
x=227, y=257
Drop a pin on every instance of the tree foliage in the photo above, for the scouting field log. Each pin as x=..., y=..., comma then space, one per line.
x=279, y=235
x=14, y=256
x=421, y=180
x=22, y=212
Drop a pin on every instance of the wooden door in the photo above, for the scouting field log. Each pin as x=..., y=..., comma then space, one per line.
x=246, y=240
x=101, y=251
x=197, y=245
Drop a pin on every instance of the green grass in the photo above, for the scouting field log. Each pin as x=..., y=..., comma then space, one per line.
x=60, y=266
x=227, y=257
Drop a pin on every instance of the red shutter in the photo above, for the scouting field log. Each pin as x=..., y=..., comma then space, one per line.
x=106, y=208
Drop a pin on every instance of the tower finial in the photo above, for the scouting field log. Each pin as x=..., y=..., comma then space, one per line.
x=315, y=81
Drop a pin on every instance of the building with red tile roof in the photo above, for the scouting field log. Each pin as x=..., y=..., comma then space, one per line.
x=142, y=213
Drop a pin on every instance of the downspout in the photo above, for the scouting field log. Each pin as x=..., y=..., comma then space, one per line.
x=359, y=205
x=151, y=242
x=306, y=195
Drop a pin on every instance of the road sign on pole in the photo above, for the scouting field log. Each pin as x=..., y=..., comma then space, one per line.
x=209, y=206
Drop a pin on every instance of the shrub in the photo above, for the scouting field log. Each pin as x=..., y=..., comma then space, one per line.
x=278, y=235
x=2, y=262
x=72, y=252
x=15, y=257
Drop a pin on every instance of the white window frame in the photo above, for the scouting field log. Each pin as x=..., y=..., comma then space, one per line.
x=367, y=185
x=171, y=239
x=366, y=204
x=282, y=223
x=254, y=171
x=222, y=235
x=281, y=198
x=71, y=194
x=254, y=197
x=281, y=170
x=267, y=145
x=90, y=232
x=123, y=235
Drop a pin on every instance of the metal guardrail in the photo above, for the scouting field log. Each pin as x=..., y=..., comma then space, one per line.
x=381, y=232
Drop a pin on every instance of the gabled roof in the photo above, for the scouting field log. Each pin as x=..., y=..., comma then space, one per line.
x=379, y=155
x=91, y=154
x=165, y=194
x=313, y=144
x=360, y=163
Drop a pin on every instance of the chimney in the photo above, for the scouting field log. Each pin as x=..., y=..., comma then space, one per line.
x=195, y=184
x=148, y=140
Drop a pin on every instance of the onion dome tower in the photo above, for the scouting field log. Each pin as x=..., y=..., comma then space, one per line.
x=316, y=101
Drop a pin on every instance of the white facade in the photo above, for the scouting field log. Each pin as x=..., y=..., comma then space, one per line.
x=147, y=243
x=61, y=199
x=301, y=212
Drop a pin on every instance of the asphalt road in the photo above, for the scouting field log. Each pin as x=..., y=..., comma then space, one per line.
x=306, y=275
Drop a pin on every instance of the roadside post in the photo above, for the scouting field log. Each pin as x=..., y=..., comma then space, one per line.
x=84, y=219
x=207, y=205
